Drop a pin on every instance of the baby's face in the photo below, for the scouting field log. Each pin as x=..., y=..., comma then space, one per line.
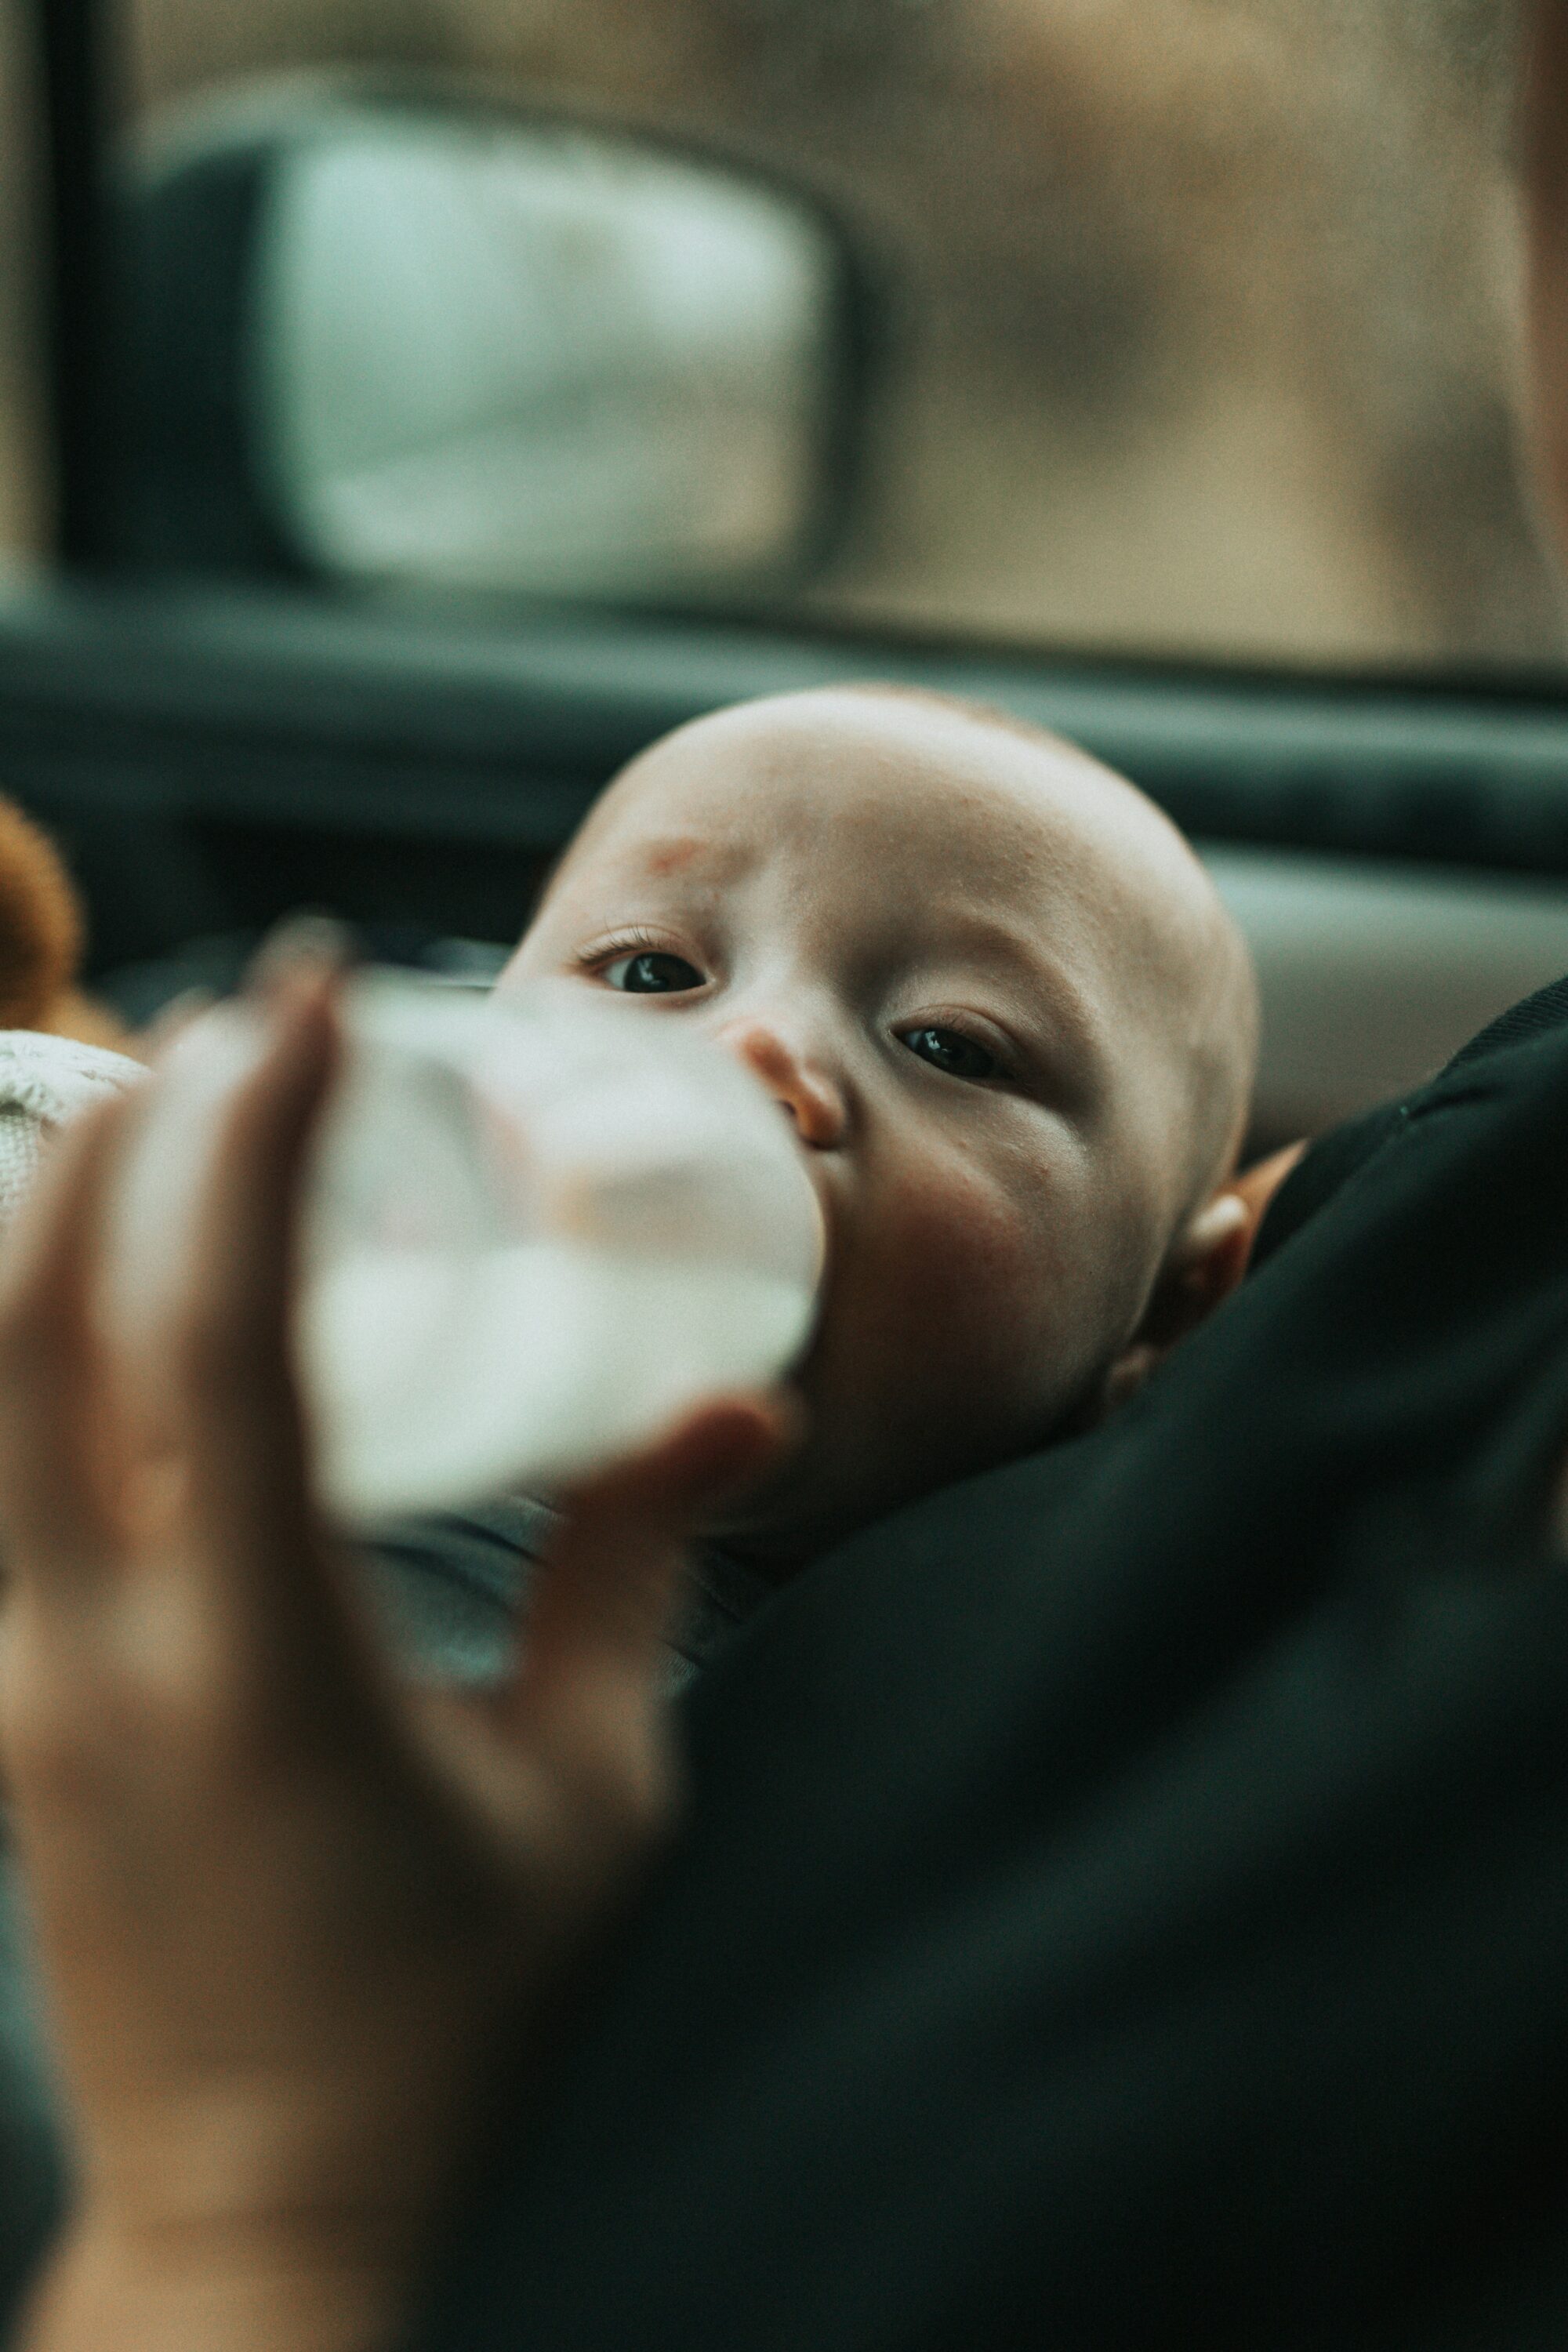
x=964, y=967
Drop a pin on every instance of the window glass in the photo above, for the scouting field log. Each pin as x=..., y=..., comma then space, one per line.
x=1196, y=321
x=24, y=493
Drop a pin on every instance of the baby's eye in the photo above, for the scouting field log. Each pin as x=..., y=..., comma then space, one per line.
x=949, y=1050
x=651, y=973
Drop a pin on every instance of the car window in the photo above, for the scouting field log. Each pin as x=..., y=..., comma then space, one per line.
x=1193, y=321
x=25, y=489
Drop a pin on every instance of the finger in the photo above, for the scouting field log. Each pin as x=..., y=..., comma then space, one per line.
x=62, y=1470
x=609, y=1585
x=252, y=1533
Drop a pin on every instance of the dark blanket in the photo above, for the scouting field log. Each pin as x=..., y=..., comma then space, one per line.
x=1125, y=1898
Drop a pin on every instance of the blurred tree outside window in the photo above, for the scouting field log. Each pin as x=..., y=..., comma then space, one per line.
x=1200, y=315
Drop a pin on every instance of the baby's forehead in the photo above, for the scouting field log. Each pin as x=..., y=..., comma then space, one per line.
x=832, y=773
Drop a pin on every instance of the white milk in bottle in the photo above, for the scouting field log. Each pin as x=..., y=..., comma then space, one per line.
x=536, y=1229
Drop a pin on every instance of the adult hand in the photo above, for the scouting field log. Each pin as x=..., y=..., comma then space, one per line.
x=288, y=1908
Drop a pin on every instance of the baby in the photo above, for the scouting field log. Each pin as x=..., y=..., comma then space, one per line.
x=1014, y=1029
x=1012, y=1025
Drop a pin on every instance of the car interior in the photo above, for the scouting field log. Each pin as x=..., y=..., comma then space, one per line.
x=416, y=410
x=410, y=409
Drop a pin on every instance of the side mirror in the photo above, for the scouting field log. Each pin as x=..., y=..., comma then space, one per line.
x=394, y=342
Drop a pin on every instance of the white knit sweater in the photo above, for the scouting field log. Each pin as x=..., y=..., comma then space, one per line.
x=44, y=1083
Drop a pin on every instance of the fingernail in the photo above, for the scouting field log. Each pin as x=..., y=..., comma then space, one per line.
x=300, y=946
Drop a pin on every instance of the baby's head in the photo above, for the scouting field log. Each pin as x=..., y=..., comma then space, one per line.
x=1013, y=1028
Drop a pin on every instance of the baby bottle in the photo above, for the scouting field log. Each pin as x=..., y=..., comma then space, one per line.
x=535, y=1230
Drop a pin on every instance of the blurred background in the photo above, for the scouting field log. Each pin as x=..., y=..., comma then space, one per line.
x=1194, y=320
x=471, y=389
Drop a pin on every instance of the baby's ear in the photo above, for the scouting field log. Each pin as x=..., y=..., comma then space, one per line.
x=1207, y=1263
x=1204, y=1266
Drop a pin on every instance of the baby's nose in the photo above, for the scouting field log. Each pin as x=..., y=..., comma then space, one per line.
x=810, y=1096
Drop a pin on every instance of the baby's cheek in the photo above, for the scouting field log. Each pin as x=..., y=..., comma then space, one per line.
x=948, y=1339
x=975, y=1284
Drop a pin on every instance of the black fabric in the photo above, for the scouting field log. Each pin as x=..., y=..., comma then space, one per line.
x=1124, y=1900
x=1323, y=1169
x=1334, y=1159
x=1533, y=1016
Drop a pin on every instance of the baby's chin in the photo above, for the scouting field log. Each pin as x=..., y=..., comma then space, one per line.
x=843, y=1475
x=773, y=1526
x=790, y=1517
x=809, y=1502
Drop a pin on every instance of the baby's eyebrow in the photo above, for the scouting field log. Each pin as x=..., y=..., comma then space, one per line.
x=1075, y=1026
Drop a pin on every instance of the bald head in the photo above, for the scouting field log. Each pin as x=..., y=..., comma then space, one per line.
x=1006, y=1011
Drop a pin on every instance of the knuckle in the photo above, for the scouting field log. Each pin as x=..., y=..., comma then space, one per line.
x=97, y=1696
x=77, y=1747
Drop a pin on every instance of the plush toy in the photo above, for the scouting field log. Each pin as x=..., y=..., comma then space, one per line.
x=42, y=934
x=60, y=1050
